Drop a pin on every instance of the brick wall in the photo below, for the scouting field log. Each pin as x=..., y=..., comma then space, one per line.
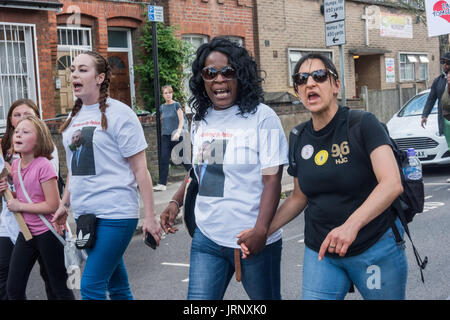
x=213, y=18
x=299, y=24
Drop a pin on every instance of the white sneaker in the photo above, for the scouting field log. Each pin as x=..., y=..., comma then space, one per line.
x=448, y=180
x=159, y=187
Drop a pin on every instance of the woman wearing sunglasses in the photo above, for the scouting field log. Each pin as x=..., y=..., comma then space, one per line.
x=347, y=217
x=239, y=149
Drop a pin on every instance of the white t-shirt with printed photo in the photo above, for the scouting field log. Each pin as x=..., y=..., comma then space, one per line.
x=101, y=180
x=229, y=153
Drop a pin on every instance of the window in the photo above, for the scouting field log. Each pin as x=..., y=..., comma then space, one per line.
x=423, y=67
x=294, y=56
x=117, y=39
x=195, y=41
x=406, y=68
x=17, y=70
x=408, y=62
x=70, y=37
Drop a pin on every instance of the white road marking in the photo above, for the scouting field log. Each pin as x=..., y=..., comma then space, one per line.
x=175, y=264
x=436, y=183
x=432, y=205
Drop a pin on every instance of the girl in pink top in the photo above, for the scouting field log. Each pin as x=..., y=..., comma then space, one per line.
x=33, y=141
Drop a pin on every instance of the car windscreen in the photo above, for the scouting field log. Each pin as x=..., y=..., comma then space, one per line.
x=415, y=106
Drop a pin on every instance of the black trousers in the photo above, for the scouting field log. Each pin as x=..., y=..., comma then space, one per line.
x=6, y=249
x=25, y=253
x=166, y=149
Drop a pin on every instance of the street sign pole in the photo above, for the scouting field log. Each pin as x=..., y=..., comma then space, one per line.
x=156, y=88
x=341, y=63
x=335, y=35
x=155, y=14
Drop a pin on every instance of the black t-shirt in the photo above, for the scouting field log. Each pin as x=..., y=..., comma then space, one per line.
x=337, y=179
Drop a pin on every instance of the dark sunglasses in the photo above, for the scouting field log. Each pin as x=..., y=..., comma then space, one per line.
x=445, y=61
x=318, y=76
x=210, y=73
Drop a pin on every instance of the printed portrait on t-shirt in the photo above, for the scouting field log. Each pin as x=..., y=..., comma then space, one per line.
x=83, y=163
x=209, y=168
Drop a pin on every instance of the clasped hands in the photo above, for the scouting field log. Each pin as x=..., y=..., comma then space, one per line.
x=337, y=241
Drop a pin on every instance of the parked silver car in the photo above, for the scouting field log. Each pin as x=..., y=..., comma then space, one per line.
x=404, y=127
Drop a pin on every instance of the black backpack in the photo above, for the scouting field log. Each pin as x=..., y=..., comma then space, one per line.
x=407, y=205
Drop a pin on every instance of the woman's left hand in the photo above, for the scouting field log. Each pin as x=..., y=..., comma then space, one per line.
x=339, y=240
x=14, y=205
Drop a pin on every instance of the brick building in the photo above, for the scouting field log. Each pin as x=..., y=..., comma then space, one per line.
x=27, y=53
x=379, y=36
x=45, y=35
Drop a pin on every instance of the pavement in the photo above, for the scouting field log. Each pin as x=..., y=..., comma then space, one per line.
x=162, y=199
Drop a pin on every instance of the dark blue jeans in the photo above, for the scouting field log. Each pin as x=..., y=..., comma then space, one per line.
x=212, y=267
x=166, y=149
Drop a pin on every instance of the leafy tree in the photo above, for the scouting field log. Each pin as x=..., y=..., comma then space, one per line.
x=172, y=53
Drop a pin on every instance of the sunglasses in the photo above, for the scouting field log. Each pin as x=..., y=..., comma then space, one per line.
x=210, y=73
x=318, y=76
x=445, y=61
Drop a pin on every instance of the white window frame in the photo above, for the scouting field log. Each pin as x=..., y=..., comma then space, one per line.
x=69, y=30
x=302, y=52
x=423, y=66
x=412, y=59
x=188, y=70
x=129, y=49
x=31, y=74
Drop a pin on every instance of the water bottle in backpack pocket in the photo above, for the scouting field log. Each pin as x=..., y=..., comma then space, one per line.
x=412, y=199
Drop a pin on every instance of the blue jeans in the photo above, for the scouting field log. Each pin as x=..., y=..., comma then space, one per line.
x=105, y=268
x=378, y=273
x=212, y=267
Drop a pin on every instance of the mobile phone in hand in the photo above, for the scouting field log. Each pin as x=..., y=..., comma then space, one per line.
x=150, y=241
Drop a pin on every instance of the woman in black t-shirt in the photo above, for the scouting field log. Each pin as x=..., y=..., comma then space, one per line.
x=347, y=217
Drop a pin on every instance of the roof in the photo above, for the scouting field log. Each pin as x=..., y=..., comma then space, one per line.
x=53, y=5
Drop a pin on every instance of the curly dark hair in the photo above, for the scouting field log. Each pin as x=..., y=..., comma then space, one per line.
x=250, y=92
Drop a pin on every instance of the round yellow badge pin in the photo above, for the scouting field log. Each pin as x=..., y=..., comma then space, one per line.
x=321, y=157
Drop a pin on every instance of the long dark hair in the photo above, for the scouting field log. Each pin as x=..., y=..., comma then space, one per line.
x=313, y=55
x=101, y=66
x=6, y=140
x=250, y=92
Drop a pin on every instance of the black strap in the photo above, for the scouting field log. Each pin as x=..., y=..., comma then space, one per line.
x=421, y=263
x=294, y=142
x=354, y=133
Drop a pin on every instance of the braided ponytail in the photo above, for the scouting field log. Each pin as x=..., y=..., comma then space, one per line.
x=101, y=66
x=104, y=95
x=76, y=108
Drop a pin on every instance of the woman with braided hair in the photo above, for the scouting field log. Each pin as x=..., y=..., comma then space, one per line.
x=106, y=162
